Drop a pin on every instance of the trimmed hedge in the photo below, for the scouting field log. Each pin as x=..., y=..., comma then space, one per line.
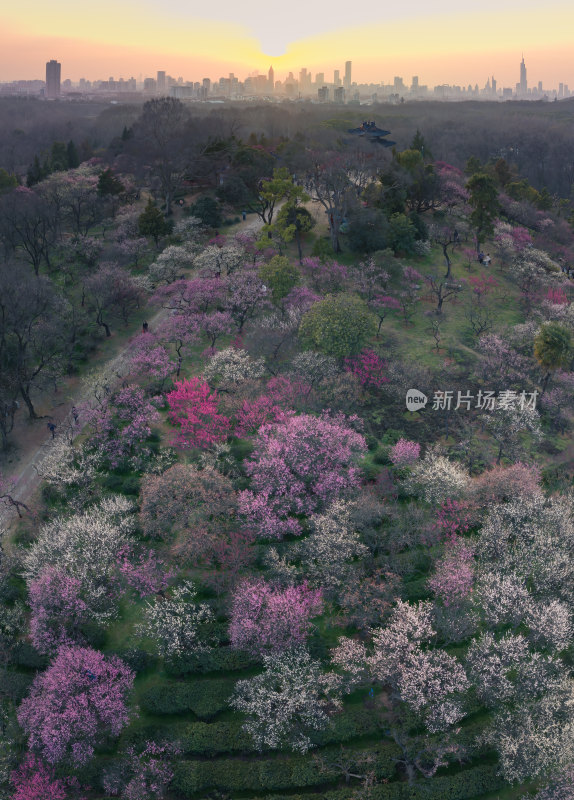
x=205, y=698
x=470, y=784
x=226, y=736
x=218, y=660
x=282, y=772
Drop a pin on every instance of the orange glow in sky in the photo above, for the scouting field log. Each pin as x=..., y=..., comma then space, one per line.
x=440, y=45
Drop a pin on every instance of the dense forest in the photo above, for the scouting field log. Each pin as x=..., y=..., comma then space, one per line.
x=286, y=459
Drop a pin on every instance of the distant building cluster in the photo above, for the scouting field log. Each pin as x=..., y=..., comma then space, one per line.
x=304, y=86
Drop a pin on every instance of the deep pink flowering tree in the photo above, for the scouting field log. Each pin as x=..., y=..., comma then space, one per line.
x=454, y=573
x=33, y=780
x=57, y=609
x=404, y=453
x=79, y=699
x=300, y=466
x=265, y=618
x=369, y=368
x=193, y=408
x=281, y=394
x=453, y=517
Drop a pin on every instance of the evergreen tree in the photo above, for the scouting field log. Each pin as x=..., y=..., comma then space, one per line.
x=108, y=184
x=72, y=154
x=59, y=157
x=152, y=222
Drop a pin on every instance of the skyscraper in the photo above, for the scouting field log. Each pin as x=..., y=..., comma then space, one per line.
x=336, y=78
x=53, y=74
x=347, y=81
x=271, y=79
x=161, y=82
x=523, y=84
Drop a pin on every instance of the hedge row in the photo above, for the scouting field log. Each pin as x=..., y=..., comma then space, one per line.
x=217, y=660
x=283, y=772
x=205, y=698
x=469, y=784
x=226, y=736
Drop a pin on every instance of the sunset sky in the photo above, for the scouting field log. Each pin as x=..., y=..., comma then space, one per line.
x=439, y=42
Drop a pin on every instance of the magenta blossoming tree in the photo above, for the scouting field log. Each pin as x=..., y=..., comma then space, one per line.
x=265, y=618
x=79, y=699
x=300, y=466
x=193, y=408
x=33, y=780
x=369, y=369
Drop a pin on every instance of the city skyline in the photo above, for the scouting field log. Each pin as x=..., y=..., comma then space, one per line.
x=319, y=86
x=445, y=45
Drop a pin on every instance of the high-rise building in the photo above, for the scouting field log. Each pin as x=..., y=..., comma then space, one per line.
x=271, y=79
x=347, y=81
x=161, y=84
x=523, y=83
x=415, y=83
x=336, y=78
x=53, y=75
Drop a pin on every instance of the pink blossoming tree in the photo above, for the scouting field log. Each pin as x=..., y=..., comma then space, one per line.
x=300, y=466
x=33, y=780
x=404, y=453
x=265, y=618
x=80, y=698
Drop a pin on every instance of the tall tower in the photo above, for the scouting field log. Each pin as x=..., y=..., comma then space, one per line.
x=347, y=81
x=523, y=84
x=53, y=74
x=336, y=78
x=161, y=82
x=271, y=79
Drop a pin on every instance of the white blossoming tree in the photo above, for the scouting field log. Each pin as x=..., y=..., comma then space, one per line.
x=292, y=697
x=178, y=624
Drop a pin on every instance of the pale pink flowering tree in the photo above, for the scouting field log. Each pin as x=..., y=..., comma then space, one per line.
x=181, y=331
x=80, y=698
x=145, y=573
x=381, y=305
x=120, y=426
x=428, y=681
x=149, y=358
x=454, y=573
x=300, y=466
x=265, y=618
x=193, y=407
x=33, y=780
x=404, y=453
x=57, y=609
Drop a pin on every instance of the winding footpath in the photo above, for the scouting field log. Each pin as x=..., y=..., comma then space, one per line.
x=26, y=480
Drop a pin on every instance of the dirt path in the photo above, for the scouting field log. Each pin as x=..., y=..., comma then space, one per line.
x=33, y=441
